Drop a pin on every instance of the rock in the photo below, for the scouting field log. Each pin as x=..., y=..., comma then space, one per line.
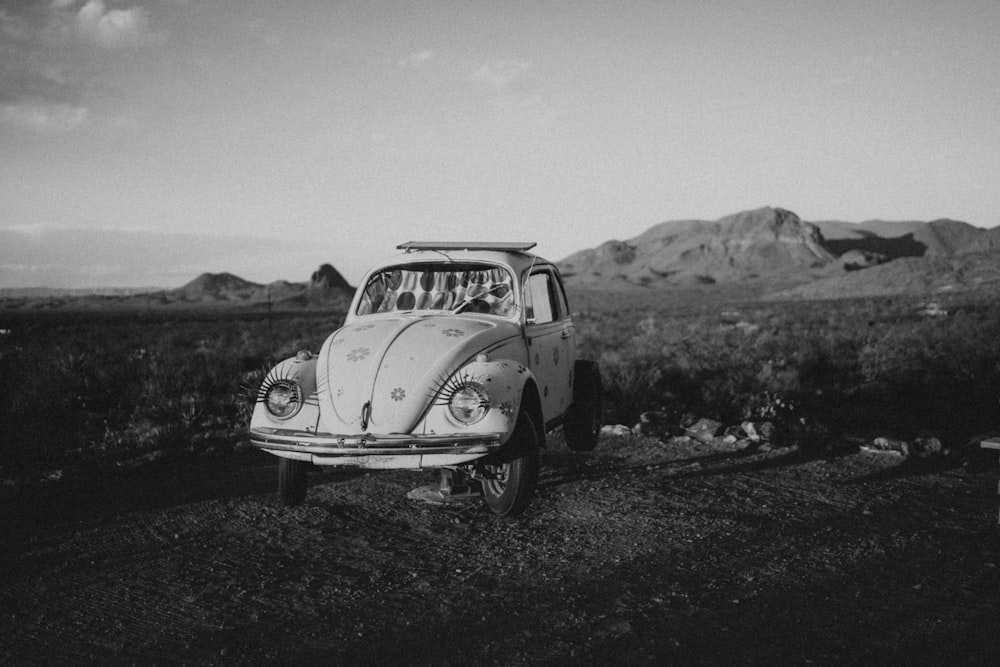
x=654, y=423
x=688, y=419
x=616, y=430
x=925, y=447
x=766, y=430
x=886, y=444
x=734, y=431
x=704, y=429
x=327, y=277
x=726, y=443
x=758, y=432
x=751, y=431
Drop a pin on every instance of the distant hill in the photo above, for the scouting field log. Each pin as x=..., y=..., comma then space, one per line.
x=327, y=277
x=762, y=243
x=987, y=242
x=326, y=285
x=325, y=288
x=938, y=238
x=774, y=248
x=62, y=292
x=217, y=287
x=977, y=272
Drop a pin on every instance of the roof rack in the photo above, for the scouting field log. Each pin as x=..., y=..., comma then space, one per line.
x=467, y=245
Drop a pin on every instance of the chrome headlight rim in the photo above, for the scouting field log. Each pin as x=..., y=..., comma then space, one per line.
x=286, y=404
x=469, y=403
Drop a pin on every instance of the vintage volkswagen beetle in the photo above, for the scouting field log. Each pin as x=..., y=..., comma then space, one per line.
x=457, y=356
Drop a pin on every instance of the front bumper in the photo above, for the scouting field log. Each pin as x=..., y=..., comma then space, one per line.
x=366, y=450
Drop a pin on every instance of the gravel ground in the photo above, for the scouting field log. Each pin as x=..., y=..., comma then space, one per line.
x=642, y=552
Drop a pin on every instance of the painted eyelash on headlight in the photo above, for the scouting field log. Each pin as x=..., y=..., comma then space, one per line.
x=445, y=388
x=273, y=377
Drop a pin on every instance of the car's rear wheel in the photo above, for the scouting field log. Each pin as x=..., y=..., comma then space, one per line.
x=510, y=476
x=292, y=481
x=582, y=426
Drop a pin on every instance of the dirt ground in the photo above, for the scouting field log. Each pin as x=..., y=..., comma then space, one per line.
x=642, y=552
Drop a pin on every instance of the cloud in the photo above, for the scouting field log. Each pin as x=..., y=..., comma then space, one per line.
x=416, y=59
x=50, y=80
x=113, y=28
x=44, y=117
x=500, y=74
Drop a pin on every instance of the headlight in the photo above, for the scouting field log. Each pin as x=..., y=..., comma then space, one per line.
x=283, y=399
x=469, y=403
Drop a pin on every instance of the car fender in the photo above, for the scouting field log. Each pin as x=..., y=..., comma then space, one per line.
x=302, y=370
x=506, y=382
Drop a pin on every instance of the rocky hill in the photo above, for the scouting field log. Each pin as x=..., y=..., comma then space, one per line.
x=938, y=238
x=827, y=259
x=326, y=285
x=210, y=287
x=932, y=277
x=326, y=288
x=327, y=278
x=765, y=242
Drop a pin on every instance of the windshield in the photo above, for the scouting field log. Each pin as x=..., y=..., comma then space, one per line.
x=451, y=286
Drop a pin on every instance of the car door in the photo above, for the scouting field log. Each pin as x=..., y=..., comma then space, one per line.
x=551, y=345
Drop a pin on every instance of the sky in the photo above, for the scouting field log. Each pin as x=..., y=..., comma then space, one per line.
x=143, y=142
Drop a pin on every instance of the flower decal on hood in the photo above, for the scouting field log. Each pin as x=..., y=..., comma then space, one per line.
x=358, y=353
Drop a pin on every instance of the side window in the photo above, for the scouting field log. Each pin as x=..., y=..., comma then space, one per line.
x=559, y=297
x=541, y=306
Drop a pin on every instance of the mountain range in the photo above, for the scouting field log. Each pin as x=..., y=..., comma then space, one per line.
x=324, y=285
x=325, y=288
x=766, y=252
x=792, y=258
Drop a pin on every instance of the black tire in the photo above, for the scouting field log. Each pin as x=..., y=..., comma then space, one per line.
x=292, y=481
x=511, y=475
x=582, y=425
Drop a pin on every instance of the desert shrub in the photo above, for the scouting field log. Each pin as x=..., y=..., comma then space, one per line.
x=692, y=365
x=941, y=373
x=81, y=385
x=77, y=387
x=866, y=365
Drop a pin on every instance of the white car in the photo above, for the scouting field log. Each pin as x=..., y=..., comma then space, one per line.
x=457, y=356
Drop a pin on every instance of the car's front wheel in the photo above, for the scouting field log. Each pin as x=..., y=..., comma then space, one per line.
x=292, y=481
x=510, y=476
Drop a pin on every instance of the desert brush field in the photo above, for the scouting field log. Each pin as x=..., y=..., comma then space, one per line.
x=140, y=527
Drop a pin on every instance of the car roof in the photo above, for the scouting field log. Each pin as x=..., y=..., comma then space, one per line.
x=514, y=255
x=508, y=246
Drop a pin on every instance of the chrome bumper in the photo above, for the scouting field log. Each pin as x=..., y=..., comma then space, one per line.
x=329, y=445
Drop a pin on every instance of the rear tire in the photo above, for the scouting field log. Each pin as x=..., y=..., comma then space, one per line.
x=292, y=481
x=582, y=425
x=511, y=475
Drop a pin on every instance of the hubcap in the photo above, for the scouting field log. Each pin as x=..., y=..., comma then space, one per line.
x=497, y=481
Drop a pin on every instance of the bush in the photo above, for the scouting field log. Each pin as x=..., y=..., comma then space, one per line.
x=101, y=386
x=862, y=365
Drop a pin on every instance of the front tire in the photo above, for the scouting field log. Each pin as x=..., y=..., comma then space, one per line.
x=510, y=478
x=582, y=426
x=292, y=482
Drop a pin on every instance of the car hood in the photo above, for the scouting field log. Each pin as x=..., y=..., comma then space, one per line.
x=397, y=365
